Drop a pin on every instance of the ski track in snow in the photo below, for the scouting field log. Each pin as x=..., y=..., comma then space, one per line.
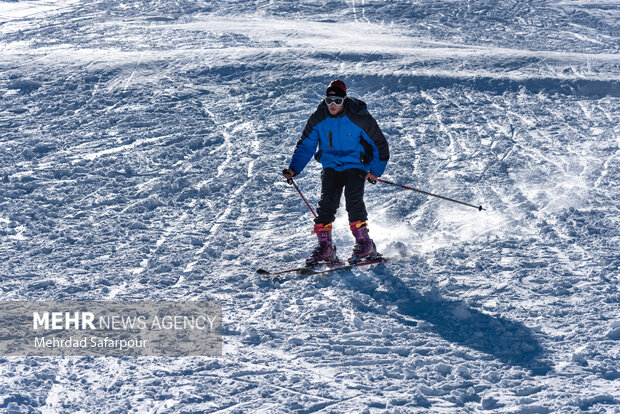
x=141, y=150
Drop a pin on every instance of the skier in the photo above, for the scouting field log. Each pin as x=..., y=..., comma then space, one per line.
x=352, y=150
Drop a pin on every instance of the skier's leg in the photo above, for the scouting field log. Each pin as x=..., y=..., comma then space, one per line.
x=332, y=183
x=354, y=195
x=364, y=248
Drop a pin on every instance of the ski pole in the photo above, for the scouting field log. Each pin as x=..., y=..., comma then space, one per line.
x=430, y=194
x=290, y=181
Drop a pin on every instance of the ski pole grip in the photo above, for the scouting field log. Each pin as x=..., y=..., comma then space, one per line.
x=288, y=180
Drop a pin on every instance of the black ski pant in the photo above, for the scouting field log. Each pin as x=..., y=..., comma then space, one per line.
x=332, y=184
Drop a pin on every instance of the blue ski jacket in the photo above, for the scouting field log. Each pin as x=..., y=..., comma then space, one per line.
x=351, y=139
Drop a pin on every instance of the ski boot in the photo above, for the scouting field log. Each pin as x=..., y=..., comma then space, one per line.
x=364, y=249
x=325, y=251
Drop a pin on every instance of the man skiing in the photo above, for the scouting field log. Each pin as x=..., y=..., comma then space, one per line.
x=352, y=150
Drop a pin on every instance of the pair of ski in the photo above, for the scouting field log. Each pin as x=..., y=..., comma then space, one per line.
x=281, y=275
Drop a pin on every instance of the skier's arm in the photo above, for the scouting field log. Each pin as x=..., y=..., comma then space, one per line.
x=380, y=151
x=371, y=133
x=306, y=147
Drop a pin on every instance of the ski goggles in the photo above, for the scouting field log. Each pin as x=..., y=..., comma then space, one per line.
x=334, y=100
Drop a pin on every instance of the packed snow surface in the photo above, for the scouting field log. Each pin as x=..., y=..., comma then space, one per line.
x=141, y=149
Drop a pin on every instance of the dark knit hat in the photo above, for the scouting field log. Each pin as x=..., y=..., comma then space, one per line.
x=336, y=88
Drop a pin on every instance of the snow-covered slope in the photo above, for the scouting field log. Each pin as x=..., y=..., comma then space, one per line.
x=141, y=149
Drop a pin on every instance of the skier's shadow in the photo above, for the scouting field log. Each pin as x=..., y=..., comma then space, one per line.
x=508, y=341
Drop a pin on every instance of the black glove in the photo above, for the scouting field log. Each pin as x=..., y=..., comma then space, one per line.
x=372, y=178
x=288, y=174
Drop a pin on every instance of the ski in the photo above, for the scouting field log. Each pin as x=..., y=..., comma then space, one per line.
x=301, y=270
x=308, y=271
x=346, y=266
